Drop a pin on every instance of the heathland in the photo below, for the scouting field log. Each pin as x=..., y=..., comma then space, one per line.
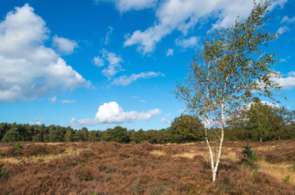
x=114, y=168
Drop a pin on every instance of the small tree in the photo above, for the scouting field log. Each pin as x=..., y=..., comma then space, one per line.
x=261, y=119
x=116, y=134
x=68, y=137
x=231, y=71
x=186, y=128
x=12, y=135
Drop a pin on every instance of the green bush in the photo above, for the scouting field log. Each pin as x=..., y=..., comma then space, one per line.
x=12, y=135
x=286, y=179
x=292, y=168
x=248, y=156
x=116, y=134
x=3, y=173
x=17, y=149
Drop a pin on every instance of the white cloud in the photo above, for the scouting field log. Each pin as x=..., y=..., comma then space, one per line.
x=64, y=45
x=111, y=70
x=129, y=5
x=280, y=3
x=288, y=20
x=265, y=102
x=166, y=120
x=37, y=122
x=98, y=61
x=126, y=80
x=272, y=104
x=282, y=30
x=170, y=52
x=189, y=42
x=183, y=15
x=126, y=5
x=111, y=61
x=108, y=35
x=53, y=99
x=286, y=82
x=112, y=58
x=29, y=69
x=68, y=101
x=111, y=112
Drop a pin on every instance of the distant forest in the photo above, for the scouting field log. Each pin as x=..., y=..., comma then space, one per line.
x=259, y=122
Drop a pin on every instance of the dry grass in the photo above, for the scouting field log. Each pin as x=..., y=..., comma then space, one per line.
x=41, y=158
x=282, y=172
x=112, y=168
x=158, y=153
x=189, y=155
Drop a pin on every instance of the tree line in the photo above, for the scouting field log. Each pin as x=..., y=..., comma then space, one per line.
x=258, y=122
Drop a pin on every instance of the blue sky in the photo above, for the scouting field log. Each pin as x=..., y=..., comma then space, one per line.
x=100, y=63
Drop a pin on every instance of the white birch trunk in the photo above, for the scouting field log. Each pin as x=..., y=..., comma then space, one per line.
x=211, y=157
x=215, y=162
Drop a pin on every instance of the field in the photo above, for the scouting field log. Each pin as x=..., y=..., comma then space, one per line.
x=112, y=168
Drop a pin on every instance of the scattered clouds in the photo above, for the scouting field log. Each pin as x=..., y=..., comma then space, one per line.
x=127, y=80
x=286, y=82
x=29, y=69
x=165, y=120
x=139, y=99
x=170, y=52
x=272, y=104
x=54, y=99
x=111, y=70
x=68, y=101
x=64, y=45
x=112, y=58
x=112, y=113
x=36, y=122
x=108, y=35
x=288, y=20
x=279, y=3
x=282, y=30
x=189, y=42
x=169, y=18
x=110, y=61
x=265, y=102
x=98, y=61
x=129, y=5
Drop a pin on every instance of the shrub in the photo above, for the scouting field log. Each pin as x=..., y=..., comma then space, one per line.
x=248, y=156
x=137, y=187
x=286, y=179
x=16, y=149
x=3, y=173
x=12, y=135
x=116, y=134
x=35, y=150
x=85, y=174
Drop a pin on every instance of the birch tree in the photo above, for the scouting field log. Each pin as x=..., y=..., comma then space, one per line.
x=231, y=70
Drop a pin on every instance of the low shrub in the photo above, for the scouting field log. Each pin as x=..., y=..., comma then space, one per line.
x=36, y=150
x=85, y=174
x=280, y=155
x=286, y=179
x=16, y=149
x=248, y=156
x=3, y=173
